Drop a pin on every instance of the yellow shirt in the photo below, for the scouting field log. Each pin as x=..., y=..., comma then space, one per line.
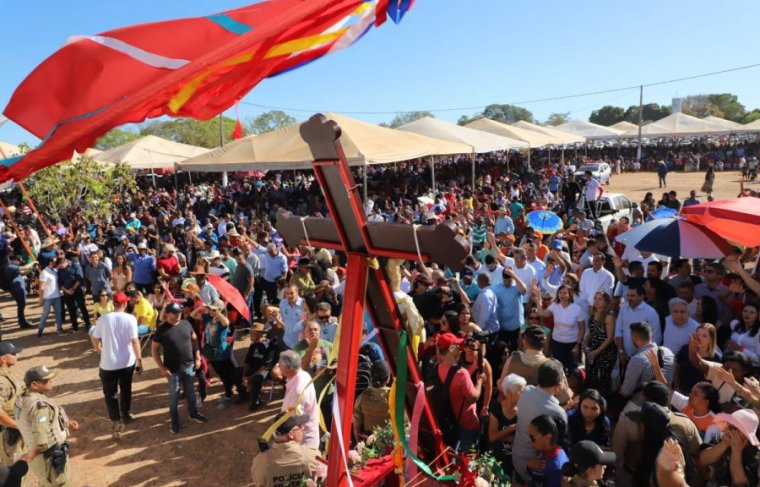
x=145, y=313
x=103, y=310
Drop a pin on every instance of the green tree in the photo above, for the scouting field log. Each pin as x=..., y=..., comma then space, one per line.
x=608, y=115
x=751, y=116
x=557, y=118
x=507, y=113
x=268, y=121
x=403, y=118
x=651, y=113
x=464, y=119
x=115, y=138
x=190, y=131
x=84, y=184
x=723, y=105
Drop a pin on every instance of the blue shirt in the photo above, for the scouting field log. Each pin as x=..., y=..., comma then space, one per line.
x=551, y=475
x=484, y=310
x=216, y=336
x=675, y=337
x=509, y=308
x=554, y=182
x=143, y=266
x=629, y=315
x=504, y=224
x=471, y=290
x=275, y=266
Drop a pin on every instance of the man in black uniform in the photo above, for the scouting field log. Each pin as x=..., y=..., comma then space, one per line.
x=71, y=280
x=261, y=357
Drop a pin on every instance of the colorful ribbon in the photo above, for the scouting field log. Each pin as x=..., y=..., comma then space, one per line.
x=397, y=411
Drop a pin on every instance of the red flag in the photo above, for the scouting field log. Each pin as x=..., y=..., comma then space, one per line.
x=194, y=67
x=238, y=132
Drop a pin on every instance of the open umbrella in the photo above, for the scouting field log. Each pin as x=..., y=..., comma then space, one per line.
x=676, y=238
x=544, y=221
x=736, y=220
x=664, y=212
x=230, y=294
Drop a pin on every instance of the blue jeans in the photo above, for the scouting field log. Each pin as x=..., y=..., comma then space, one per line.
x=185, y=378
x=57, y=307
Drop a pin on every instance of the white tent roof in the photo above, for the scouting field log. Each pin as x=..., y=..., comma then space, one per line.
x=677, y=125
x=363, y=143
x=751, y=127
x=624, y=126
x=150, y=152
x=8, y=150
x=535, y=139
x=480, y=141
x=589, y=130
x=561, y=138
x=728, y=125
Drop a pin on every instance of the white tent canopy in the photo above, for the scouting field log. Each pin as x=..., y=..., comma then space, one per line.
x=150, y=152
x=480, y=141
x=589, y=130
x=677, y=125
x=624, y=126
x=751, y=127
x=8, y=150
x=728, y=125
x=535, y=139
x=283, y=149
x=561, y=138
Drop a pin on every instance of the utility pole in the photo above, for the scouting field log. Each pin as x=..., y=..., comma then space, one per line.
x=641, y=119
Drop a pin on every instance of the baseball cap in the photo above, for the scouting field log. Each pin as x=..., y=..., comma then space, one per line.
x=467, y=272
x=586, y=454
x=558, y=244
x=120, y=299
x=9, y=348
x=423, y=279
x=173, y=308
x=304, y=261
x=218, y=304
x=380, y=372
x=290, y=423
x=446, y=340
x=38, y=373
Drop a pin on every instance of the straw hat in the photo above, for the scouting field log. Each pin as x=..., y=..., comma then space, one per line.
x=199, y=271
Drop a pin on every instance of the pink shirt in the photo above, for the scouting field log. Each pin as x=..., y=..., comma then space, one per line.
x=293, y=388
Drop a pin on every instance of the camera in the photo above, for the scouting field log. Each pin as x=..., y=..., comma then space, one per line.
x=478, y=336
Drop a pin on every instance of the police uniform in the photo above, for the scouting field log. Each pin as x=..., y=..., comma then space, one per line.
x=10, y=387
x=284, y=465
x=44, y=424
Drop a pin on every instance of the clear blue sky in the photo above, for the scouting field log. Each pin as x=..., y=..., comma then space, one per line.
x=449, y=54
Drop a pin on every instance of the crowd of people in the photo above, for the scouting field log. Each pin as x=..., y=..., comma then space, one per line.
x=569, y=357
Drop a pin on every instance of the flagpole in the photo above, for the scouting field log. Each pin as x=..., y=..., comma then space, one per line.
x=225, y=179
x=40, y=219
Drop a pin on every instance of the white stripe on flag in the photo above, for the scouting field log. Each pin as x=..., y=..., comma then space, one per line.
x=155, y=60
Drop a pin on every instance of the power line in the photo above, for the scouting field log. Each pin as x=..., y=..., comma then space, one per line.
x=523, y=102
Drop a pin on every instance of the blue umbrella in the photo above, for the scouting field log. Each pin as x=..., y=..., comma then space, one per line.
x=663, y=212
x=544, y=221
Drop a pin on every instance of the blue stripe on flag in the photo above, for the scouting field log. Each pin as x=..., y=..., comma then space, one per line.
x=229, y=24
x=10, y=161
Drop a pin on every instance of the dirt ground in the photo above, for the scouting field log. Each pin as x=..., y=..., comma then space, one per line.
x=636, y=185
x=219, y=452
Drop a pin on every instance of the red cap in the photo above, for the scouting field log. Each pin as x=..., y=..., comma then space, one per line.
x=448, y=339
x=120, y=299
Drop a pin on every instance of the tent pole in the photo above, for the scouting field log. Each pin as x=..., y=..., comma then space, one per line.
x=153, y=176
x=562, y=162
x=34, y=209
x=16, y=229
x=432, y=173
x=364, y=184
x=473, y=173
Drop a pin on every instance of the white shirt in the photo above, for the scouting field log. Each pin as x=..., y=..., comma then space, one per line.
x=49, y=281
x=528, y=276
x=591, y=189
x=292, y=315
x=749, y=343
x=594, y=281
x=566, y=322
x=496, y=274
x=116, y=330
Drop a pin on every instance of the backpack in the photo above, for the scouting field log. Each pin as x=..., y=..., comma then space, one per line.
x=440, y=402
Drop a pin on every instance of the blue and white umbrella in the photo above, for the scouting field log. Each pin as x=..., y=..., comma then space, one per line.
x=544, y=221
x=675, y=237
x=663, y=212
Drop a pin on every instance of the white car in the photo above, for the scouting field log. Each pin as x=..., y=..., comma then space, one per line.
x=601, y=171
